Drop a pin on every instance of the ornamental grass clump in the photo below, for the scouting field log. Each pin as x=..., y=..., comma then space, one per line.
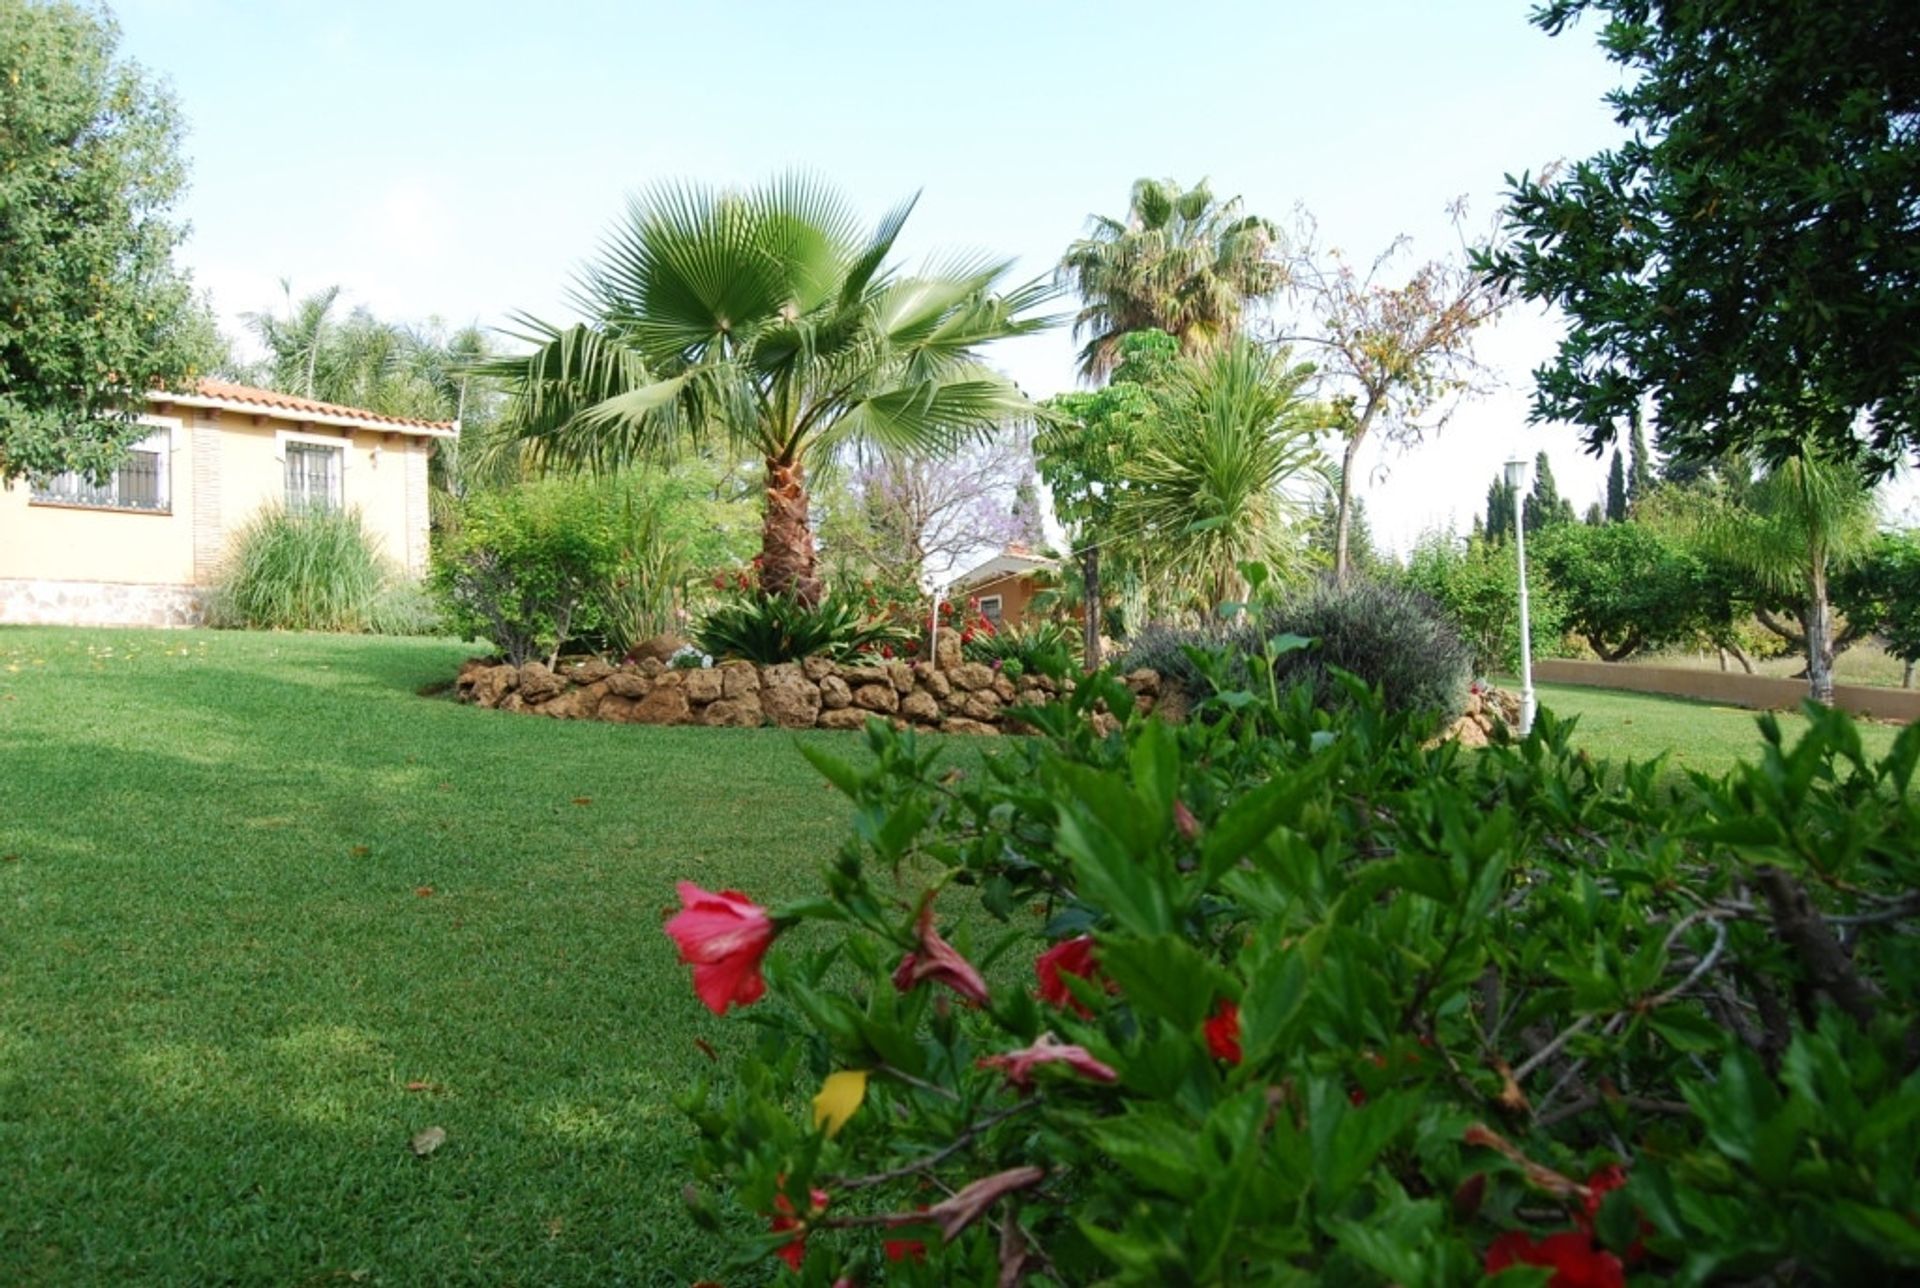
x=1292, y=994
x=313, y=571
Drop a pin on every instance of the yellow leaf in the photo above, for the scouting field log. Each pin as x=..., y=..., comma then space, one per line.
x=840, y=1095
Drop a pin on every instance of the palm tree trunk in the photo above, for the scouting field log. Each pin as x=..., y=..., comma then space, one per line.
x=1090, y=613
x=1819, y=636
x=786, y=535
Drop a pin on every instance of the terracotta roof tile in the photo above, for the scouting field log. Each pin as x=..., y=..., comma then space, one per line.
x=268, y=398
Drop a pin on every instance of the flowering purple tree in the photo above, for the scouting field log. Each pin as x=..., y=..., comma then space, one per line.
x=917, y=518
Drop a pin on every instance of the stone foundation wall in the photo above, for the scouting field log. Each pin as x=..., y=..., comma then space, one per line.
x=29, y=602
x=965, y=698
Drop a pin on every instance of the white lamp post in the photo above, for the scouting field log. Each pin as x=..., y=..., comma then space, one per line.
x=1516, y=483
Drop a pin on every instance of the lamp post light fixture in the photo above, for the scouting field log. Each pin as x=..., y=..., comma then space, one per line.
x=1516, y=483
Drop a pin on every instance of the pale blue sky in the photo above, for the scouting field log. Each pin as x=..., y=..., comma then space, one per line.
x=460, y=159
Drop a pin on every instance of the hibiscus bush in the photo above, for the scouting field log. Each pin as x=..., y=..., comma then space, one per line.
x=1272, y=996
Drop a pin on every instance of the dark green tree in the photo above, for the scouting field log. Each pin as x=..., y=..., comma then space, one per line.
x=1640, y=480
x=1595, y=516
x=1544, y=506
x=93, y=312
x=1500, y=509
x=1626, y=588
x=1749, y=260
x=1616, y=489
x=1082, y=454
x=1881, y=595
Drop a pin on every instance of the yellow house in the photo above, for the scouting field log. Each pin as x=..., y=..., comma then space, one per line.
x=1005, y=584
x=141, y=549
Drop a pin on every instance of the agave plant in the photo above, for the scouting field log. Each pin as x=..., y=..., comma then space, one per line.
x=771, y=317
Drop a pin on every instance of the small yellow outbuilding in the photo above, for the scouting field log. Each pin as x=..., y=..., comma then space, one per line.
x=142, y=548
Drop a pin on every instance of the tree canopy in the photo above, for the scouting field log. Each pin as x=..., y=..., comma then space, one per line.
x=771, y=317
x=1749, y=260
x=1180, y=261
x=93, y=312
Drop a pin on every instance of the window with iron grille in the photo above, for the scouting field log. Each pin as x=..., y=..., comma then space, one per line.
x=990, y=608
x=313, y=477
x=139, y=482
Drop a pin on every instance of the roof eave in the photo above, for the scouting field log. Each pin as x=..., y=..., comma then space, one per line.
x=160, y=397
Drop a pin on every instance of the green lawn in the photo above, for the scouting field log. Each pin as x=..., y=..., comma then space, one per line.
x=265, y=913
x=1696, y=735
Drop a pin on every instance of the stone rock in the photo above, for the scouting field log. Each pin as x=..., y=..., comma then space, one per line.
x=921, y=707
x=845, y=718
x=834, y=693
x=629, y=684
x=666, y=705
x=1003, y=688
x=959, y=724
x=1144, y=681
x=590, y=671
x=738, y=679
x=817, y=668
x=877, y=697
x=855, y=676
x=651, y=667
x=670, y=678
x=792, y=700
x=900, y=675
x=743, y=712
x=955, y=699
x=1468, y=732
x=581, y=703
x=934, y=682
x=1032, y=697
x=983, y=705
x=494, y=683
x=512, y=702
x=1173, y=704
x=1104, y=723
x=537, y=683
x=1143, y=702
x=703, y=685
x=946, y=651
x=972, y=676
x=1044, y=683
x=657, y=649
x=615, y=709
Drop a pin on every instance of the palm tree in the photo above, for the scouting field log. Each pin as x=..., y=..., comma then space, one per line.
x=1180, y=262
x=1806, y=519
x=770, y=317
x=1229, y=467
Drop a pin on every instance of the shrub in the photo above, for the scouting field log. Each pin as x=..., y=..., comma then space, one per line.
x=1168, y=650
x=1389, y=636
x=522, y=566
x=1285, y=997
x=302, y=572
x=1477, y=586
x=768, y=629
x=1040, y=647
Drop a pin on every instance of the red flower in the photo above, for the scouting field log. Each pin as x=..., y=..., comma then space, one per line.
x=1068, y=957
x=1223, y=1031
x=1184, y=822
x=1021, y=1064
x=794, y=1250
x=1571, y=1255
x=966, y=636
x=719, y=581
x=937, y=960
x=906, y=1250
x=723, y=936
x=886, y=650
x=1599, y=1185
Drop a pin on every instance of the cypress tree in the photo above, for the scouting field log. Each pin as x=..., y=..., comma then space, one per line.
x=1616, y=489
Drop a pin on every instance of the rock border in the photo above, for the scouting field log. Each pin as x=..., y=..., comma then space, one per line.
x=817, y=693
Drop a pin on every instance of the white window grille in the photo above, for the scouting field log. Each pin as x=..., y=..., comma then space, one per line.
x=313, y=477
x=140, y=482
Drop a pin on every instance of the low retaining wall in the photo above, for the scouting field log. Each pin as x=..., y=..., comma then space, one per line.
x=967, y=698
x=38, y=602
x=1761, y=692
